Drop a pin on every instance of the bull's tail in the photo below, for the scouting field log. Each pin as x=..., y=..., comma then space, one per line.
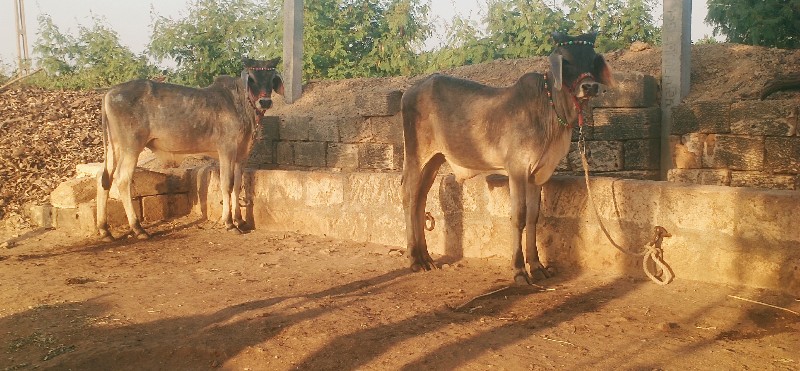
x=105, y=174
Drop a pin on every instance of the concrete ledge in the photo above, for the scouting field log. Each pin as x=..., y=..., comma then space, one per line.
x=719, y=234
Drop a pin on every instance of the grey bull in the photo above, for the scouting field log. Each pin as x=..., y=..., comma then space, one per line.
x=219, y=121
x=523, y=130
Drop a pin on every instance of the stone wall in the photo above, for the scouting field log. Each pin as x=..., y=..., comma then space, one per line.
x=740, y=144
x=369, y=139
x=623, y=141
x=719, y=234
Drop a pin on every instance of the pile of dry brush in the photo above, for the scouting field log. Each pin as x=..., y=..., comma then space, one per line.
x=44, y=134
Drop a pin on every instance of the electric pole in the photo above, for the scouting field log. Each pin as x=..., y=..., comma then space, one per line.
x=23, y=60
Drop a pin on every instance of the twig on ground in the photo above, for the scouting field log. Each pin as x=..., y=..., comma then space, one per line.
x=765, y=304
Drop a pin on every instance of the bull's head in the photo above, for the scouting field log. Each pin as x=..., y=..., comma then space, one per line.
x=576, y=65
x=261, y=79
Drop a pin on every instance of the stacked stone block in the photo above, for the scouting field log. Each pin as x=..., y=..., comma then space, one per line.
x=369, y=140
x=739, y=144
x=622, y=138
x=157, y=195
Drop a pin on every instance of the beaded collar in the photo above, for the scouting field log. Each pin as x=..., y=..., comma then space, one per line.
x=575, y=42
x=575, y=101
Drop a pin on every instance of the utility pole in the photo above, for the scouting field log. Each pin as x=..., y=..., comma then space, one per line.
x=23, y=59
x=292, y=49
x=676, y=65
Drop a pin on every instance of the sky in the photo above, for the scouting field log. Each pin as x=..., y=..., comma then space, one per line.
x=131, y=19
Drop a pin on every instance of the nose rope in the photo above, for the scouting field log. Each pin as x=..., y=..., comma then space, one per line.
x=575, y=101
x=581, y=77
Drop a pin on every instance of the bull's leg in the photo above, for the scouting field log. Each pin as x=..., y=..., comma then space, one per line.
x=225, y=187
x=104, y=181
x=238, y=221
x=516, y=187
x=417, y=181
x=127, y=165
x=534, y=198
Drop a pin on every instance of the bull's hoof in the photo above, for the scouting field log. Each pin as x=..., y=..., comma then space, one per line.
x=423, y=266
x=417, y=267
x=233, y=230
x=142, y=235
x=522, y=278
x=242, y=225
x=106, y=236
x=540, y=272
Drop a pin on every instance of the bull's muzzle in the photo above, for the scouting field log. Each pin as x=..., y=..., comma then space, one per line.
x=589, y=89
x=265, y=103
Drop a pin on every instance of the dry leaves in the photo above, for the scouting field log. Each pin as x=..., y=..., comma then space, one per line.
x=43, y=135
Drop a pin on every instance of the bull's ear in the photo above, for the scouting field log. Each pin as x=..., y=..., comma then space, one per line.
x=593, y=36
x=555, y=69
x=274, y=62
x=558, y=37
x=277, y=84
x=603, y=72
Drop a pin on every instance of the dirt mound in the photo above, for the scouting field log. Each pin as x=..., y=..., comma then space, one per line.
x=44, y=134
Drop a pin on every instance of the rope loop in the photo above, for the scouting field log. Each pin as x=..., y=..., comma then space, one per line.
x=429, y=218
x=651, y=252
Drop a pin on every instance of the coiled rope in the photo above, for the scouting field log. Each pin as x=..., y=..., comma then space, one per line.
x=650, y=252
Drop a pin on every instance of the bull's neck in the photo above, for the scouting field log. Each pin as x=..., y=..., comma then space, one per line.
x=247, y=112
x=565, y=107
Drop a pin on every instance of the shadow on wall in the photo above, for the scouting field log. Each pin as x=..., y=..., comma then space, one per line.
x=198, y=193
x=570, y=234
x=451, y=195
x=719, y=234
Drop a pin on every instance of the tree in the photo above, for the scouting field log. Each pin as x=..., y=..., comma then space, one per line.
x=95, y=58
x=363, y=38
x=773, y=23
x=618, y=22
x=522, y=28
x=214, y=37
x=464, y=44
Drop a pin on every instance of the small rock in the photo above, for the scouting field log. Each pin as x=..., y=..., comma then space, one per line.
x=445, y=266
x=7, y=245
x=668, y=326
x=638, y=46
x=395, y=252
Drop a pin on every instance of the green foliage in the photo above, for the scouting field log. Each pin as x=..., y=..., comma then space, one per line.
x=522, y=28
x=360, y=38
x=95, y=58
x=618, y=22
x=342, y=38
x=774, y=23
x=214, y=37
x=706, y=40
x=463, y=45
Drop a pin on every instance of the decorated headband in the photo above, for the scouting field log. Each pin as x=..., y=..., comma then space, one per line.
x=261, y=68
x=576, y=42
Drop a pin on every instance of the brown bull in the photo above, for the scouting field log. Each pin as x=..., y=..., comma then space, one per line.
x=219, y=121
x=523, y=130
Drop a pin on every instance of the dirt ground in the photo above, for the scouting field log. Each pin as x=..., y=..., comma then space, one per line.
x=194, y=297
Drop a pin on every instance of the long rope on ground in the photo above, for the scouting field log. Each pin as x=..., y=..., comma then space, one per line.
x=651, y=251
